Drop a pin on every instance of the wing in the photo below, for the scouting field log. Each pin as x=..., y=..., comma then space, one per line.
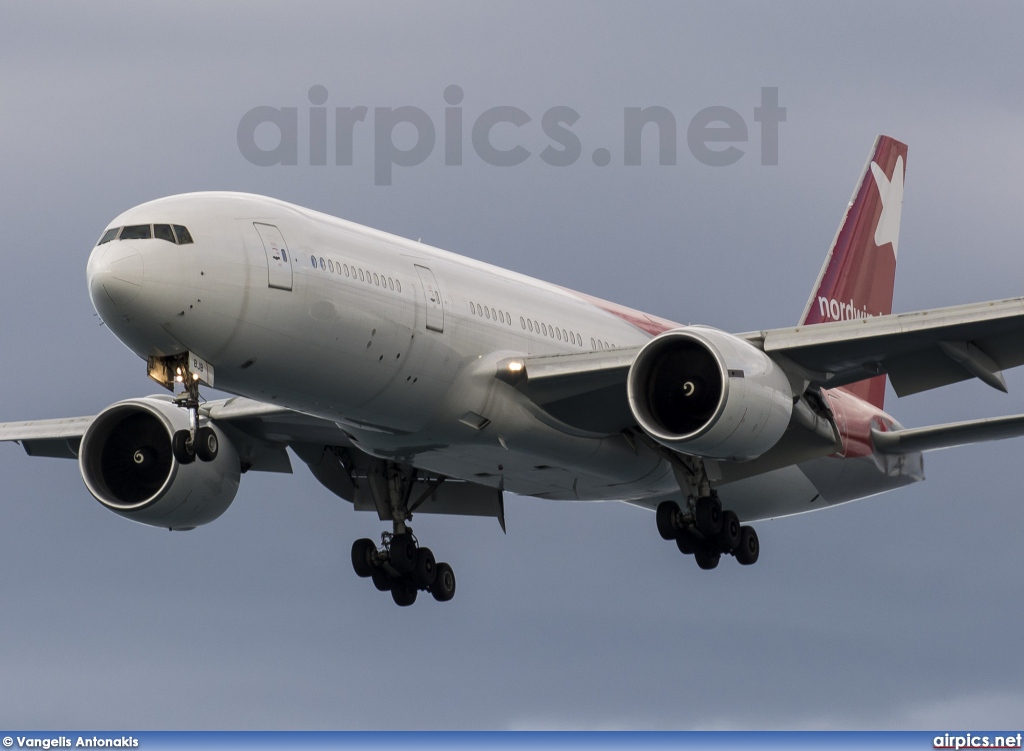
x=57, y=438
x=261, y=433
x=919, y=351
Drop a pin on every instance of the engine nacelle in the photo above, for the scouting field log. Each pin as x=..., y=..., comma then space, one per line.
x=127, y=464
x=704, y=392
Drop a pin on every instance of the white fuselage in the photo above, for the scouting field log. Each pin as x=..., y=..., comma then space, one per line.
x=398, y=343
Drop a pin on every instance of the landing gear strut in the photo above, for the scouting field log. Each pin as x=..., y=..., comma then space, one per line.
x=400, y=565
x=194, y=442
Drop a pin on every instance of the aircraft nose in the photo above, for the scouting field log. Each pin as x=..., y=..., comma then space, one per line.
x=115, y=274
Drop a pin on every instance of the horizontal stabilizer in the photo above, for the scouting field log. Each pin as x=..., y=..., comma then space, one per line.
x=947, y=436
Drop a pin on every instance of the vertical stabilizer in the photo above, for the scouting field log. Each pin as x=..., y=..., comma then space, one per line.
x=857, y=278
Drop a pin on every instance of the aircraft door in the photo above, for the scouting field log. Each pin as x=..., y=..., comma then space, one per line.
x=279, y=259
x=432, y=295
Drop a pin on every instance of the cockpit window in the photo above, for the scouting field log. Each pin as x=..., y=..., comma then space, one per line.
x=136, y=232
x=172, y=233
x=163, y=232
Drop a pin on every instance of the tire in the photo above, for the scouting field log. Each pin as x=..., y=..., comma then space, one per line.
x=424, y=571
x=207, y=444
x=749, y=548
x=685, y=542
x=403, y=592
x=362, y=557
x=728, y=538
x=382, y=580
x=403, y=553
x=709, y=516
x=183, y=453
x=707, y=558
x=444, y=583
x=666, y=519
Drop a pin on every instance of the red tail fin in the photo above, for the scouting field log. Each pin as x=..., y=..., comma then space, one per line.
x=856, y=280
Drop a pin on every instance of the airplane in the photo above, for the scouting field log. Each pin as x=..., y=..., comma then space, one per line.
x=413, y=380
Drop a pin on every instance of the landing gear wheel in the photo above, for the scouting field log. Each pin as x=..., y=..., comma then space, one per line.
x=403, y=553
x=709, y=516
x=403, y=592
x=666, y=515
x=424, y=570
x=707, y=558
x=382, y=580
x=685, y=542
x=207, y=444
x=728, y=537
x=443, y=588
x=182, y=448
x=749, y=548
x=362, y=560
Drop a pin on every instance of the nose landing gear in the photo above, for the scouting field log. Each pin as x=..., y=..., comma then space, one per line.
x=188, y=370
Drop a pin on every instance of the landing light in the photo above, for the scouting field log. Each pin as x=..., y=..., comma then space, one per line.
x=515, y=366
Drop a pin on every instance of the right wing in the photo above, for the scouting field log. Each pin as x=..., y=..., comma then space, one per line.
x=261, y=433
x=57, y=438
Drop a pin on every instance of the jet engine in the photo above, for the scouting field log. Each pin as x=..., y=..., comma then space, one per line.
x=704, y=392
x=127, y=462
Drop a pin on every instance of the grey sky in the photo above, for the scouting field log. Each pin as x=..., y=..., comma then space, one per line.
x=900, y=611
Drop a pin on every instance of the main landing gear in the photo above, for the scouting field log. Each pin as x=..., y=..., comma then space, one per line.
x=403, y=568
x=400, y=565
x=707, y=532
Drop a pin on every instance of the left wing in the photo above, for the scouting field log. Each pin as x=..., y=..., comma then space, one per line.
x=919, y=351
